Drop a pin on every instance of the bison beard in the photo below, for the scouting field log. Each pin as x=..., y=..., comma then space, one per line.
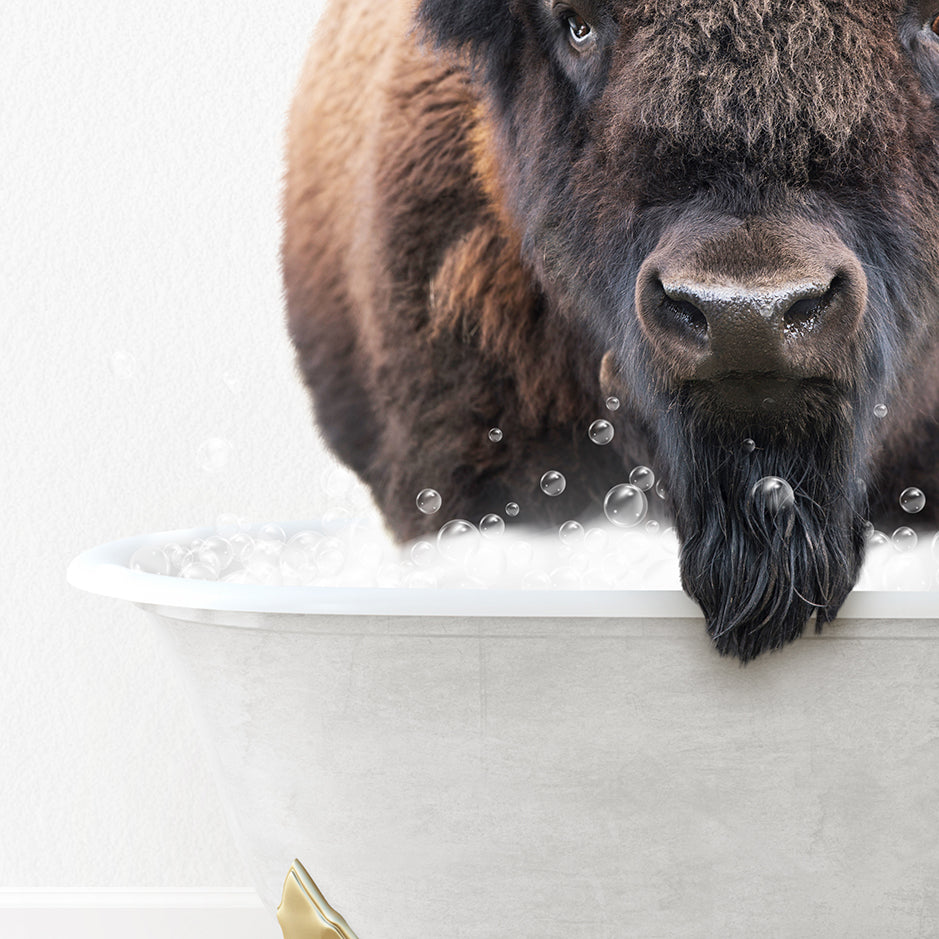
x=759, y=574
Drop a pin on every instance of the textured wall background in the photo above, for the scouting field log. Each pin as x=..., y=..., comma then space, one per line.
x=141, y=312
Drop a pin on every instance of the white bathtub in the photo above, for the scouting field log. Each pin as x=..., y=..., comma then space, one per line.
x=537, y=765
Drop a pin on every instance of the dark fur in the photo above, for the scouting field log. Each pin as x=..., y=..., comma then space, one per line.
x=467, y=209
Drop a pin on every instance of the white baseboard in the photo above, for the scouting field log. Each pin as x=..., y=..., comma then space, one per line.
x=135, y=914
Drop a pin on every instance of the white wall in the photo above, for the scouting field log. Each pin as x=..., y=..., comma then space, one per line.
x=140, y=163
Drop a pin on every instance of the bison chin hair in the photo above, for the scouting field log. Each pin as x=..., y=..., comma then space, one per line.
x=757, y=562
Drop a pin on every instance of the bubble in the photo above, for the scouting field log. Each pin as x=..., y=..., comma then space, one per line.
x=423, y=553
x=520, y=556
x=195, y=570
x=429, y=501
x=457, y=540
x=612, y=403
x=488, y=564
x=912, y=500
x=600, y=432
x=214, y=454
x=904, y=539
x=491, y=525
x=536, y=580
x=567, y=578
x=298, y=558
x=511, y=509
x=772, y=494
x=571, y=533
x=625, y=505
x=652, y=526
x=215, y=551
x=150, y=560
x=242, y=544
x=420, y=580
x=880, y=410
x=769, y=403
x=596, y=540
x=748, y=446
x=660, y=490
x=495, y=434
x=271, y=532
x=553, y=483
x=263, y=561
x=876, y=538
x=330, y=557
x=642, y=478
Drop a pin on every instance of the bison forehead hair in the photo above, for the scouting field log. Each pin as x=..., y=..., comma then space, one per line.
x=498, y=212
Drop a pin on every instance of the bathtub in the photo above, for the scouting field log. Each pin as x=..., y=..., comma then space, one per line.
x=459, y=764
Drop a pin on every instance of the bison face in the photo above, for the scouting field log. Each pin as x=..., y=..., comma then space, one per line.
x=737, y=202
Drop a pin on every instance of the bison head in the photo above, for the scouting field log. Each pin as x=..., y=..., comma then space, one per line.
x=738, y=203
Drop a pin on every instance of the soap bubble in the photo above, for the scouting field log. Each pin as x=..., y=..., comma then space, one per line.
x=271, y=532
x=876, y=538
x=420, y=580
x=596, y=540
x=748, y=446
x=511, y=509
x=904, y=539
x=298, y=557
x=215, y=551
x=176, y=554
x=195, y=570
x=567, y=578
x=571, y=533
x=772, y=494
x=536, y=580
x=612, y=403
x=880, y=410
x=495, y=434
x=912, y=500
x=423, y=553
x=242, y=544
x=652, y=526
x=520, y=556
x=214, y=454
x=457, y=540
x=600, y=432
x=330, y=556
x=429, y=501
x=487, y=564
x=660, y=490
x=625, y=505
x=642, y=478
x=491, y=525
x=263, y=561
x=150, y=560
x=553, y=483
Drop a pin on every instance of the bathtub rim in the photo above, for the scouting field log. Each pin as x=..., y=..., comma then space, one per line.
x=103, y=570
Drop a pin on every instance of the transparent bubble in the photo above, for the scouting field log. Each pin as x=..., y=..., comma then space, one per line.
x=642, y=478
x=748, y=446
x=214, y=454
x=772, y=494
x=216, y=551
x=122, y=364
x=612, y=403
x=457, y=540
x=596, y=540
x=263, y=561
x=495, y=434
x=488, y=564
x=669, y=540
x=330, y=556
x=769, y=404
x=423, y=553
x=176, y=554
x=519, y=558
x=652, y=526
x=912, y=500
x=536, y=580
x=904, y=539
x=150, y=560
x=195, y=570
x=553, y=483
x=625, y=505
x=271, y=532
x=242, y=544
x=660, y=490
x=880, y=410
x=298, y=558
x=512, y=509
x=429, y=501
x=420, y=580
x=567, y=577
x=876, y=538
x=491, y=525
x=571, y=533
x=600, y=432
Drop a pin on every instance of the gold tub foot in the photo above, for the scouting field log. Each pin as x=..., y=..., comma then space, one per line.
x=304, y=913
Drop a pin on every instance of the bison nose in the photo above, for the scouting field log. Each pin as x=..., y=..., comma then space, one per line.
x=795, y=317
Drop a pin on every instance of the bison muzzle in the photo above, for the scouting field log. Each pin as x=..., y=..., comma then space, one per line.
x=724, y=212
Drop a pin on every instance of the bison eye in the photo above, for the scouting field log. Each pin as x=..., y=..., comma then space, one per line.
x=934, y=26
x=580, y=30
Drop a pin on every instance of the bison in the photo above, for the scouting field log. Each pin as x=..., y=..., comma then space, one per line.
x=724, y=212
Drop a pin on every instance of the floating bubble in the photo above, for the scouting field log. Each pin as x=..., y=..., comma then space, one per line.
x=195, y=570
x=423, y=553
x=652, y=526
x=553, y=483
x=420, y=580
x=912, y=500
x=491, y=525
x=457, y=540
x=571, y=533
x=773, y=494
x=625, y=505
x=150, y=560
x=567, y=577
x=596, y=540
x=876, y=538
x=271, y=532
x=429, y=501
x=242, y=544
x=769, y=403
x=748, y=446
x=487, y=564
x=214, y=454
x=512, y=509
x=660, y=490
x=642, y=478
x=495, y=434
x=612, y=403
x=880, y=410
x=600, y=432
x=904, y=539
x=536, y=580
x=216, y=551
x=330, y=556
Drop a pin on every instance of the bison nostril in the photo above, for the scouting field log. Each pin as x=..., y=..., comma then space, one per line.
x=678, y=311
x=806, y=310
x=689, y=315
